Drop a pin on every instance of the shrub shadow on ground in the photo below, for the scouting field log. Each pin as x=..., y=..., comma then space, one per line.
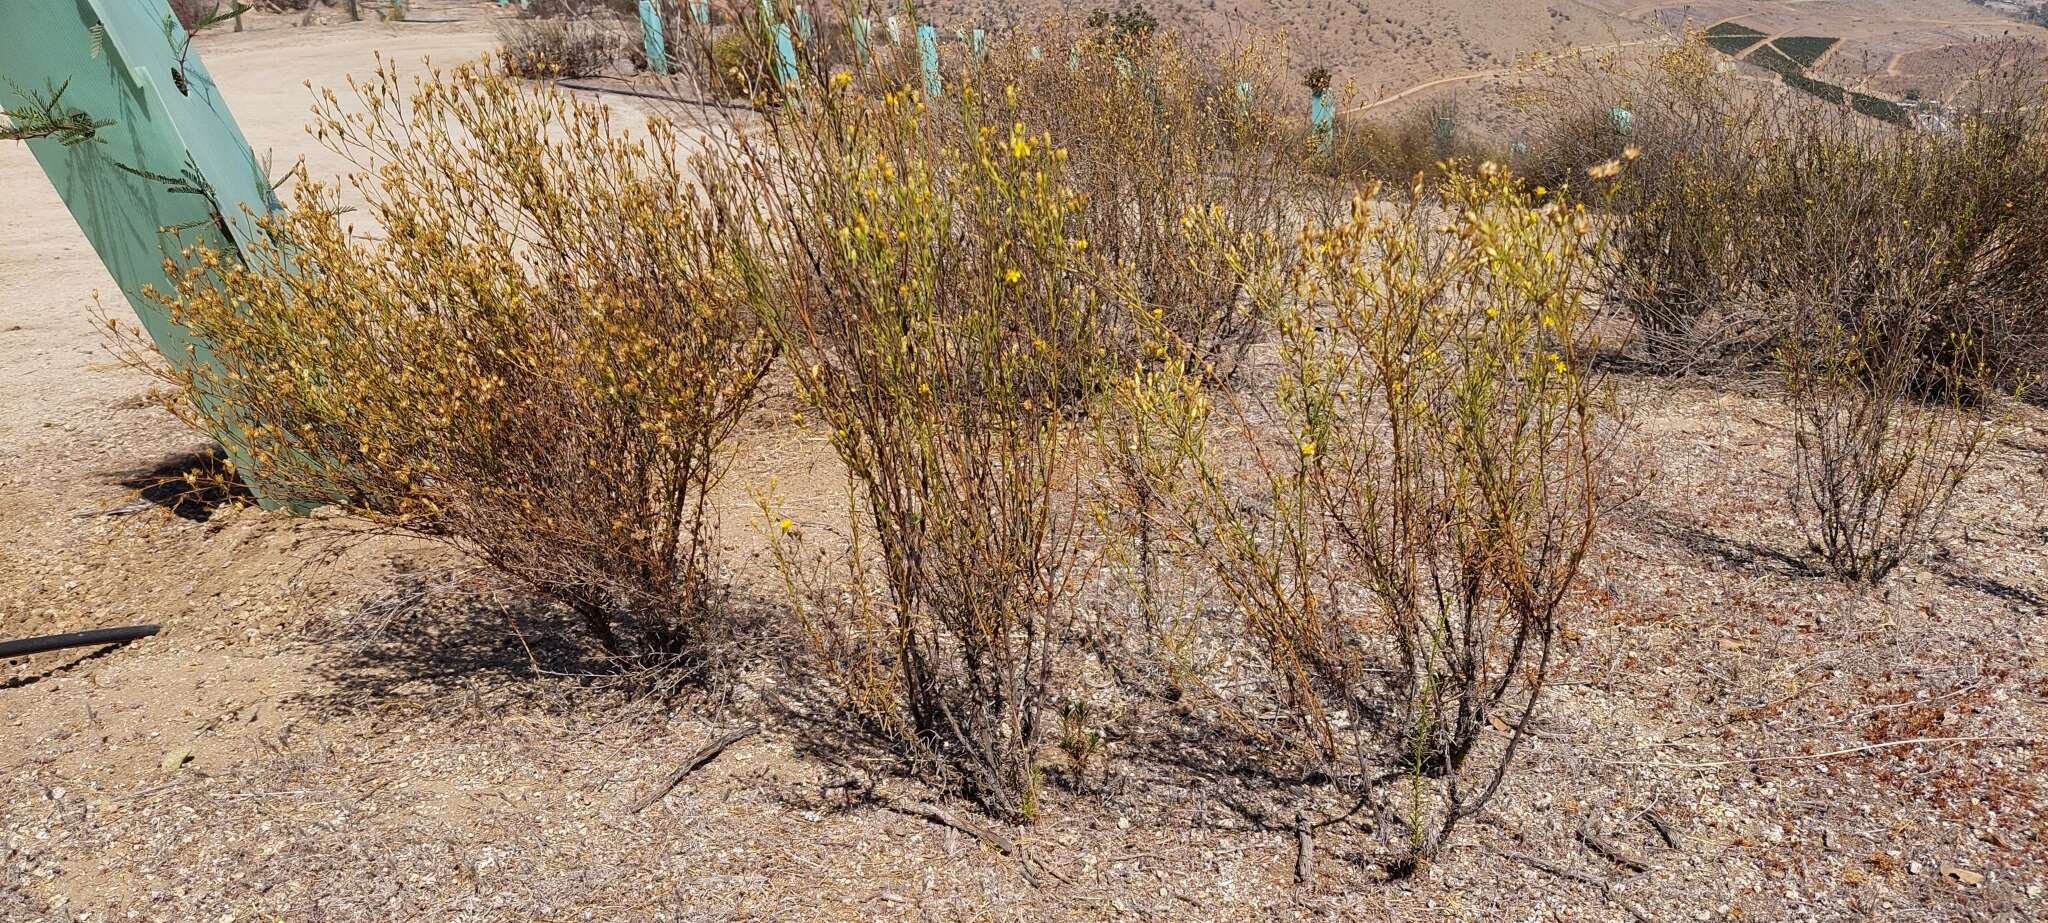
x=1199, y=770
x=57, y=664
x=1728, y=552
x=434, y=638
x=1224, y=772
x=192, y=485
x=2024, y=600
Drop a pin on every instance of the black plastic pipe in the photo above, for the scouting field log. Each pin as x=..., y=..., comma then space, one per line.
x=27, y=646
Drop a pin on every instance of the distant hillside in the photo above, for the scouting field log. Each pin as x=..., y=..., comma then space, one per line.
x=1378, y=46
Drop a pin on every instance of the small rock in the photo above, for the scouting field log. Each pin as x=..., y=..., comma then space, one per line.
x=177, y=758
x=1962, y=875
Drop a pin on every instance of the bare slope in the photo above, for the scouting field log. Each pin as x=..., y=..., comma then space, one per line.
x=1460, y=48
x=1378, y=46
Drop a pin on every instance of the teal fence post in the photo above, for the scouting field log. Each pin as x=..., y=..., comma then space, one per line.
x=156, y=115
x=1322, y=120
x=928, y=49
x=651, y=39
x=1622, y=118
x=785, y=56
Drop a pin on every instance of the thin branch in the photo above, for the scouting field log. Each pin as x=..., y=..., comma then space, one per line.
x=697, y=761
x=1599, y=884
x=1001, y=842
x=1304, y=849
x=1606, y=849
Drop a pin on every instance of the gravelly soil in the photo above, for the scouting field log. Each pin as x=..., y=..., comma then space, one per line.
x=375, y=732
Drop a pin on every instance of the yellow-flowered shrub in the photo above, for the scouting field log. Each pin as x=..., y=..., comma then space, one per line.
x=1399, y=521
x=529, y=343
x=940, y=316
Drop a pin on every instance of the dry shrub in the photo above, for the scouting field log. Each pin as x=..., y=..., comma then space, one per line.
x=1734, y=177
x=741, y=65
x=578, y=9
x=1399, y=525
x=1876, y=466
x=1895, y=274
x=1883, y=366
x=537, y=356
x=1997, y=188
x=191, y=13
x=1399, y=146
x=200, y=15
x=1187, y=186
x=545, y=48
x=736, y=57
x=1907, y=286
x=1686, y=244
x=935, y=305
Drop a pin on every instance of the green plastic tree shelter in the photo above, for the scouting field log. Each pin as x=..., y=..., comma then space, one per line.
x=785, y=56
x=153, y=163
x=1322, y=119
x=654, y=44
x=928, y=50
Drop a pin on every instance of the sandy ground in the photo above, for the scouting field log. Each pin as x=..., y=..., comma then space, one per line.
x=371, y=732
